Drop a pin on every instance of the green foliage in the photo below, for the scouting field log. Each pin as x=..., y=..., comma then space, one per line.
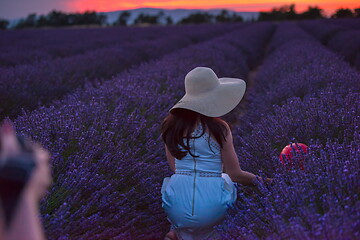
x=55, y=200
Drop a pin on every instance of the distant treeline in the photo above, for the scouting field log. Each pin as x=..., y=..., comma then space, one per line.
x=287, y=12
x=58, y=18
x=199, y=17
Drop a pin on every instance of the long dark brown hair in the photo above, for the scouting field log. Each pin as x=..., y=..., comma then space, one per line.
x=180, y=123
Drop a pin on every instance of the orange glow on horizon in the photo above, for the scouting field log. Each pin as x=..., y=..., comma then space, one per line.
x=329, y=6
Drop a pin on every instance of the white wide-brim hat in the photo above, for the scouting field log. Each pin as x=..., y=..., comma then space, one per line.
x=209, y=95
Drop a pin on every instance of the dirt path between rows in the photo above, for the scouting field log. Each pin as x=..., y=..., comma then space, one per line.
x=235, y=115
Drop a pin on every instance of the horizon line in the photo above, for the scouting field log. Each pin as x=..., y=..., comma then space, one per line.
x=326, y=13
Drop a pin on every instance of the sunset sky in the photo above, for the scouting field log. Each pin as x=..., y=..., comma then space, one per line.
x=11, y=9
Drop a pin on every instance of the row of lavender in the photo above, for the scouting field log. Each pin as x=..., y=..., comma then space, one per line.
x=342, y=39
x=34, y=45
x=107, y=156
x=27, y=86
x=349, y=23
x=303, y=93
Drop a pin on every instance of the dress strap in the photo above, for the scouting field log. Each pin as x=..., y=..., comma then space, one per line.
x=213, y=143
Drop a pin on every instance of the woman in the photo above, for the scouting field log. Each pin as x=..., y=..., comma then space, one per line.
x=198, y=145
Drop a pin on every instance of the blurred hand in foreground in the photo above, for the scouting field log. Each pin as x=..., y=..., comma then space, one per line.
x=25, y=223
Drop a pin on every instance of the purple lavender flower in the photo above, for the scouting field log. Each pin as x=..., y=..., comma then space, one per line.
x=107, y=156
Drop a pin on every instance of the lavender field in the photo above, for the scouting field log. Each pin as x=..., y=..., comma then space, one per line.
x=96, y=98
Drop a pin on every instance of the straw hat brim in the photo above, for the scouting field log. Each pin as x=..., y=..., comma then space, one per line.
x=217, y=102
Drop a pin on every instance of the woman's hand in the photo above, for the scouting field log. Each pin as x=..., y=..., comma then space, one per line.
x=25, y=224
x=269, y=181
x=40, y=179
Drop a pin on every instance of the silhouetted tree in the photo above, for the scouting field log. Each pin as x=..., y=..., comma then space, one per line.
x=289, y=12
x=42, y=21
x=28, y=22
x=342, y=13
x=88, y=17
x=162, y=19
x=123, y=18
x=285, y=12
x=4, y=23
x=236, y=18
x=252, y=19
x=57, y=18
x=169, y=20
x=146, y=19
x=197, y=18
x=158, y=18
x=312, y=13
x=357, y=12
x=161, y=14
x=223, y=16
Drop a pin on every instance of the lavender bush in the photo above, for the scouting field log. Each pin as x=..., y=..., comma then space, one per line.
x=342, y=39
x=33, y=45
x=348, y=23
x=357, y=61
x=254, y=53
x=109, y=162
x=27, y=86
x=286, y=32
x=303, y=93
x=298, y=76
x=346, y=44
x=321, y=30
x=107, y=156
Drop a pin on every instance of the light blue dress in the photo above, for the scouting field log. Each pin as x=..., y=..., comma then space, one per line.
x=198, y=195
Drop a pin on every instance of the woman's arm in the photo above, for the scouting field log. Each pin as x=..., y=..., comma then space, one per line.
x=170, y=159
x=232, y=165
x=26, y=224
